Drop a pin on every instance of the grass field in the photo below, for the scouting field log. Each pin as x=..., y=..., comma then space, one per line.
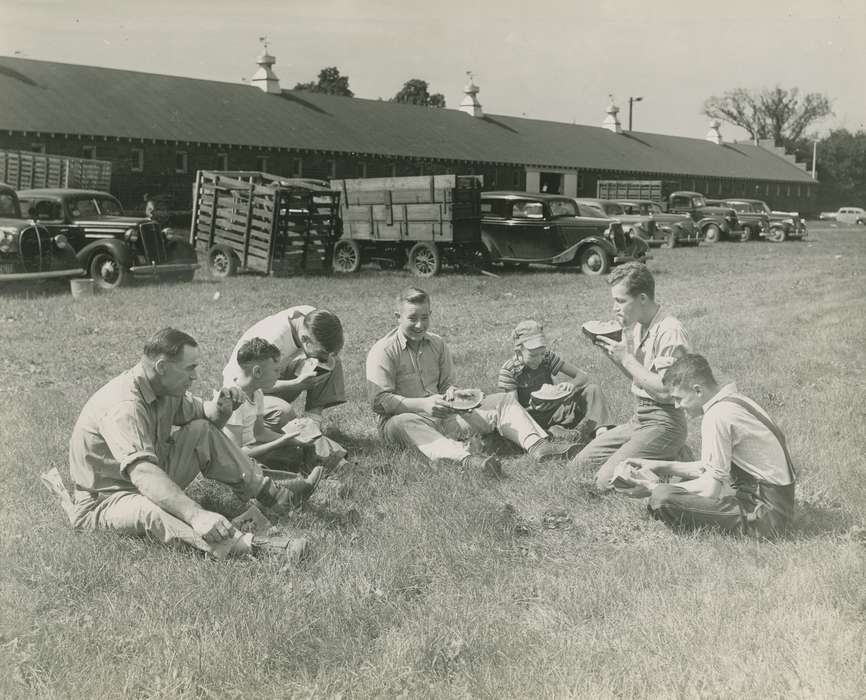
x=433, y=583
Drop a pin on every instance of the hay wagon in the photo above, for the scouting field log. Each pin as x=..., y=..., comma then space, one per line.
x=258, y=222
x=423, y=221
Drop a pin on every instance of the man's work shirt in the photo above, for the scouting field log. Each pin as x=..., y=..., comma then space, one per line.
x=396, y=371
x=277, y=330
x=657, y=346
x=729, y=433
x=516, y=376
x=121, y=424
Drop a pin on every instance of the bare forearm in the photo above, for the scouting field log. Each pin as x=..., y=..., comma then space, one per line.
x=155, y=485
x=646, y=380
x=683, y=470
x=390, y=404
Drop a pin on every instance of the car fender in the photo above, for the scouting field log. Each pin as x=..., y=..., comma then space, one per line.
x=710, y=220
x=576, y=249
x=117, y=248
x=490, y=245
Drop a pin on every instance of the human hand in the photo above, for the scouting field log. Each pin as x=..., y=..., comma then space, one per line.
x=617, y=351
x=211, y=527
x=567, y=385
x=225, y=401
x=636, y=491
x=437, y=406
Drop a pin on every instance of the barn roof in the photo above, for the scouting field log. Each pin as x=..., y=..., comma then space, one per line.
x=61, y=98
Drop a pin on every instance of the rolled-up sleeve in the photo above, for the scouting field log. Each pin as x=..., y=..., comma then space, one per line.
x=382, y=381
x=716, y=445
x=189, y=408
x=446, y=369
x=127, y=429
x=673, y=343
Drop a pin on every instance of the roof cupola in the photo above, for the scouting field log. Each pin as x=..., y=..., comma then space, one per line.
x=264, y=78
x=611, y=121
x=470, y=103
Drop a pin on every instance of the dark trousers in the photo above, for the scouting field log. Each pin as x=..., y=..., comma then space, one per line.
x=757, y=508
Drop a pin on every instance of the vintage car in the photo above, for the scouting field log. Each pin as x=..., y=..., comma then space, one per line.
x=519, y=227
x=781, y=224
x=754, y=220
x=29, y=250
x=845, y=215
x=714, y=222
x=112, y=247
x=640, y=225
x=671, y=229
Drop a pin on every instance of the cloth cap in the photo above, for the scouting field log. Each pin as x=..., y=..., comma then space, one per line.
x=529, y=334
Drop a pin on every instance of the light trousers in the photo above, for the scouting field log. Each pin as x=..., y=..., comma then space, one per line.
x=441, y=438
x=196, y=448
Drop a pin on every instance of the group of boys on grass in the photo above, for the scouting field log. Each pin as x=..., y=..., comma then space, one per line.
x=142, y=438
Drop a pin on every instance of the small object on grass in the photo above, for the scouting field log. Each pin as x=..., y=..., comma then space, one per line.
x=54, y=483
x=466, y=399
x=216, y=296
x=252, y=520
x=604, y=329
x=625, y=476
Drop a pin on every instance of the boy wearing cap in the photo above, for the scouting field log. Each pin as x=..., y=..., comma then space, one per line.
x=300, y=333
x=258, y=365
x=410, y=378
x=580, y=414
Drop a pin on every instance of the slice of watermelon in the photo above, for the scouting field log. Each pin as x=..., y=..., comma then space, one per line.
x=606, y=329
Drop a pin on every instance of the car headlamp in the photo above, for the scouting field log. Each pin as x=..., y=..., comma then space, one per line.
x=61, y=241
x=8, y=239
x=131, y=235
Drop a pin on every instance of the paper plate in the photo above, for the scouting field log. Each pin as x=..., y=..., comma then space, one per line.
x=551, y=392
x=606, y=329
x=467, y=399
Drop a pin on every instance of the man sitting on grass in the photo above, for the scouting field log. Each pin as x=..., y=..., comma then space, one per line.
x=258, y=370
x=130, y=470
x=411, y=383
x=651, y=341
x=740, y=447
x=309, y=341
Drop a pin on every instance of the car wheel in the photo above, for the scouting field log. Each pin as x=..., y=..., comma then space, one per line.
x=670, y=241
x=712, y=234
x=107, y=272
x=424, y=259
x=776, y=235
x=861, y=222
x=222, y=261
x=347, y=257
x=594, y=260
x=745, y=234
x=182, y=252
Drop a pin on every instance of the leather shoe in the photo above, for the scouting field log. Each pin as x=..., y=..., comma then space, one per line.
x=489, y=466
x=547, y=451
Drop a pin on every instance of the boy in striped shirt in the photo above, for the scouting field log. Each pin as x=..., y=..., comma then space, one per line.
x=580, y=414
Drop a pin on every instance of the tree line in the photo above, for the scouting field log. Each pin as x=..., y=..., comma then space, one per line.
x=781, y=114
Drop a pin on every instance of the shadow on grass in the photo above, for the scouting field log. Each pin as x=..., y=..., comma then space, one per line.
x=813, y=520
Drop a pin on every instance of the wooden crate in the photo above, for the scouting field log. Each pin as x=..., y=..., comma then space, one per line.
x=24, y=170
x=425, y=208
x=274, y=225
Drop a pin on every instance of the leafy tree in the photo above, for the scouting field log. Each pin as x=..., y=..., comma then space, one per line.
x=415, y=92
x=842, y=168
x=778, y=114
x=330, y=82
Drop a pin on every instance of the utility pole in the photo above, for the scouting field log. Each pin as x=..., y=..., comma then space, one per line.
x=814, y=157
x=631, y=101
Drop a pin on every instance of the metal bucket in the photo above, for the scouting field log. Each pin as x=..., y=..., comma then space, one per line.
x=82, y=288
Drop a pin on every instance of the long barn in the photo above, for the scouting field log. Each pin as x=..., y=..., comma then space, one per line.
x=157, y=130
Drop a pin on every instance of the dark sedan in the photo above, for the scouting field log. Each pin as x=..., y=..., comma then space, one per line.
x=114, y=247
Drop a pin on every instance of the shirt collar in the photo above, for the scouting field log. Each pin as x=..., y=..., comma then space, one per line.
x=404, y=341
x=726, y=390
x=143, y=384
x=660, y=315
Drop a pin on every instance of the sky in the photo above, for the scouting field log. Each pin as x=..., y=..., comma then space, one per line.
x=553, y=60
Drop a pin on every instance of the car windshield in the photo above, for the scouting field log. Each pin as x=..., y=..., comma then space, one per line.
x=109, y=207
x=562, y=207
x=9, y=206
x=699, y=201
x=613, y=209
x=740, y=207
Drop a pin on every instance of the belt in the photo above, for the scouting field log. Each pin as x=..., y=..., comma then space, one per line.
x=650, y=402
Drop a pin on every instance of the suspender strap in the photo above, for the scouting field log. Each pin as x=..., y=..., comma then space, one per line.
x=769, y=425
